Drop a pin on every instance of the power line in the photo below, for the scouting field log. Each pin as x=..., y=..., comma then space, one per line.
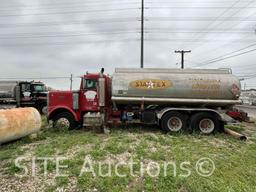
x=83, y=33
x=245, y=74
x=219, y=16
x=199, y=7
x=248, y=3
x=199, y=32
x=65, y=32
x=217, y=48
x=98, y=21
x=219, y=57
x=197, y=40
x=250, y=29
x=68, y=3
x=187, y=2
x=66, y=43
x=70, y=12
x=49, y=5
x=229, y=57
x=69, y=35
x=199, y=19
x=76, y=5
x=129, y=19
x=72, y=34
x=232, y=41
x=166, y=40
x=250, y=77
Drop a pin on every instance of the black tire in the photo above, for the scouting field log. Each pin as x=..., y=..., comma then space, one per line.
x=165, y=121
x=213, y=123
x=41, y=107
x=65, y=116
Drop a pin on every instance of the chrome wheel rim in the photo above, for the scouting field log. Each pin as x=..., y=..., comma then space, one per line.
x=174, y=124
x=63, y=122
x=206, y=126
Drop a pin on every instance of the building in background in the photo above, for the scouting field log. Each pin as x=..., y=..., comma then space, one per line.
x=249, y=97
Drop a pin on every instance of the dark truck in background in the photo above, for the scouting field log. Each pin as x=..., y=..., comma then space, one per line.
x=23, y=94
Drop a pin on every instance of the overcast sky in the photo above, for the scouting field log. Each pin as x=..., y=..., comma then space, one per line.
x=59, y=37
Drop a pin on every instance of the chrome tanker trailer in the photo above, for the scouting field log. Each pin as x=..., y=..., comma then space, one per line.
x=175, y=99
x=175, y=86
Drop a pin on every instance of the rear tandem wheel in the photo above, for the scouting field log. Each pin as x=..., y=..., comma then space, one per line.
x=173, y=121
x=205, y=122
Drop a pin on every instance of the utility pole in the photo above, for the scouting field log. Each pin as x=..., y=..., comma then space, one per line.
x=182, y=57
x=71, y=81
x=142, y=36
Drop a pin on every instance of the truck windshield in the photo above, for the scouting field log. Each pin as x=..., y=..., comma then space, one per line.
x=90, y=83
x=25, y=87
x=39, y=88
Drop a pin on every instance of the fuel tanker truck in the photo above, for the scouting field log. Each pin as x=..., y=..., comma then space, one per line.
x=23, y=94
x=174, y=99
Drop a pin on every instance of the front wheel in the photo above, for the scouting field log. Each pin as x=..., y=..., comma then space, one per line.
x=173, y=122
x=64, y=120
x=206, y=123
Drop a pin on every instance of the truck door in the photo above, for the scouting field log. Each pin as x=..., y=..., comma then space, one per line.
x=25, y=91
x=89, y=95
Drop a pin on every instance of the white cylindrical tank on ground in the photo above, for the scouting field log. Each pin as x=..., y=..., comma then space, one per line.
x=17, y=123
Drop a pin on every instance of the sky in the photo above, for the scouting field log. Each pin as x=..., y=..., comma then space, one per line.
x=50, y=40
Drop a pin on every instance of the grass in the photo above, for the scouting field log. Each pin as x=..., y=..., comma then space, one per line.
x=234, y=161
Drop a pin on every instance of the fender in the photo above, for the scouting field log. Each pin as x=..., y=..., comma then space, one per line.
x=61, y=108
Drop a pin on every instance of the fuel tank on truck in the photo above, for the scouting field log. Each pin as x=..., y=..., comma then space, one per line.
x=17, y=123
x=7, y=89
x=195, y=86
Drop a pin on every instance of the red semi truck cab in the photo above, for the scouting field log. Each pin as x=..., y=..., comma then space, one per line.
x=70, y=107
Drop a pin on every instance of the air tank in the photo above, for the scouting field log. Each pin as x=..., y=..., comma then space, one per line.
x=18, y=122
x=175, y=85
